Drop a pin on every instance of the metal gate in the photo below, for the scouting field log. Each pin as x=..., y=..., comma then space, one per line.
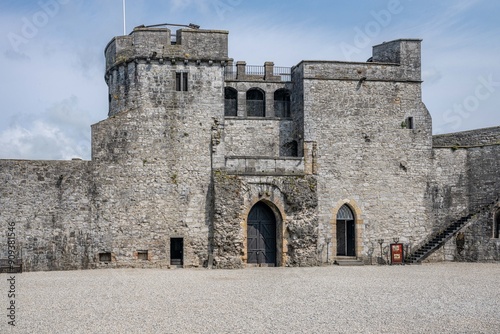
x=261, y=235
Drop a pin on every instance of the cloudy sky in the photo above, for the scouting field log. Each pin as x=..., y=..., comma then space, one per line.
x=52, y=63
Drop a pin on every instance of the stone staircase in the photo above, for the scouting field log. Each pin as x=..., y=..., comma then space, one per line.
x=440, y=238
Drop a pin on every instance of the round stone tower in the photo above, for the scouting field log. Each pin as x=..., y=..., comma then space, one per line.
x=152, y=157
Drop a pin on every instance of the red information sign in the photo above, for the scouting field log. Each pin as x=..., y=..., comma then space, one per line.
x=397, y=254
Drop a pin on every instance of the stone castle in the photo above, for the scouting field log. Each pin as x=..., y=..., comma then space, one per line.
x=206, y=162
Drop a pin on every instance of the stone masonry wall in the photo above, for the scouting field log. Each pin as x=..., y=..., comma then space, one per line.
x=365, y=154
x=168, y=164
x=152, y=167
x=294, y=201
x=467, y=180
x=257, y=137
x=468, y=138
x=448, y=187
x=50, y=204
x=152, y=157
x=153, y=46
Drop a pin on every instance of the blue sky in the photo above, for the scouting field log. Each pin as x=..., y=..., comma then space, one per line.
x=52, y=64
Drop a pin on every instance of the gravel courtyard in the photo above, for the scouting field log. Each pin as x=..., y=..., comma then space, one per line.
x=431, y=298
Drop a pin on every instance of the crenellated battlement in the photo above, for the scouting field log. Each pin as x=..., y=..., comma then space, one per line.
x=155, y=45
x=148, y=67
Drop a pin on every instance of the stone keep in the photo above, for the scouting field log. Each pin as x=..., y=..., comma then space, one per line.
x=207, y=162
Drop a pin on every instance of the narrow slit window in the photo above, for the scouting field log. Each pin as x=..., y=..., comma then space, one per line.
x=181, y=81
x=410, y=123
x=497, y=225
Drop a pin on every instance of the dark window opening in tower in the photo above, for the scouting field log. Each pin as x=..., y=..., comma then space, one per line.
x=256, y=103
x=181, y=81
x=230, y=102
x=282, y=103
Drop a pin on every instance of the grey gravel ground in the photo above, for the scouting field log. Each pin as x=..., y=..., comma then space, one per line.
x=431, y=298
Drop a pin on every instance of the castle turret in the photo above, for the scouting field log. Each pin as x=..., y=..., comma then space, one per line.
x=155, y=148
x=130, y=59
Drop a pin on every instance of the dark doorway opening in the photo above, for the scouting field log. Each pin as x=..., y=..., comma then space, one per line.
x=176, y=251
x=261, y=235
x=346, y=232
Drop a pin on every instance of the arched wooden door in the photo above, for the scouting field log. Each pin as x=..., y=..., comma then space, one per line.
x=261, y=235
x=346, y=232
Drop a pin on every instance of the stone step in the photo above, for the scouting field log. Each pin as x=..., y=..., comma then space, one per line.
x=349, y=263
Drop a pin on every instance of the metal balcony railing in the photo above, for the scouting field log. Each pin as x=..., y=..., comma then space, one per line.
x=252, y=72
x=284, y=72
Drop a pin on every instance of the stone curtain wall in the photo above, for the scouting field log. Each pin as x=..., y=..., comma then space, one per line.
x=483, y=167
x=50, y=204
x=478, y=244
x=466, y=180
x=448, y=189
x=478, y=137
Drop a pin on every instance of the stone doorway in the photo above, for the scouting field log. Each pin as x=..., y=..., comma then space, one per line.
x=346, y=232
x=261, y=235
x=176, y=251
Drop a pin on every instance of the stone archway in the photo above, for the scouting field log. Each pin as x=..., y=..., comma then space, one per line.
x=261, y=235
x=354, y=225
x=346, y=232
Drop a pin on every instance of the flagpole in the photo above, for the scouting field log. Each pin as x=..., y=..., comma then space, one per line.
x=124, y=24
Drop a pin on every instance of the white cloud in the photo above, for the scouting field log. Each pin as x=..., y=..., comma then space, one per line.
x=41, y=141
x=62, y=132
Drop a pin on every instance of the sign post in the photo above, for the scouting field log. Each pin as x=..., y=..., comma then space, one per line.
x=397, y=256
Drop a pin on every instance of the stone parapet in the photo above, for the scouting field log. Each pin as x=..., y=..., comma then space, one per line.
x=155, y=45
x=487, y=136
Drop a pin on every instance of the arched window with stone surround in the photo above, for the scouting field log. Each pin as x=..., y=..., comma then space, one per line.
x=230, y=102
x=256, y=105
x=346, y=232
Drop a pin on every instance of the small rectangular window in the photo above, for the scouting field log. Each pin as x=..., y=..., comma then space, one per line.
x=105, y=257
x=181, y=81
x=409, y=123
x=142, y=255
